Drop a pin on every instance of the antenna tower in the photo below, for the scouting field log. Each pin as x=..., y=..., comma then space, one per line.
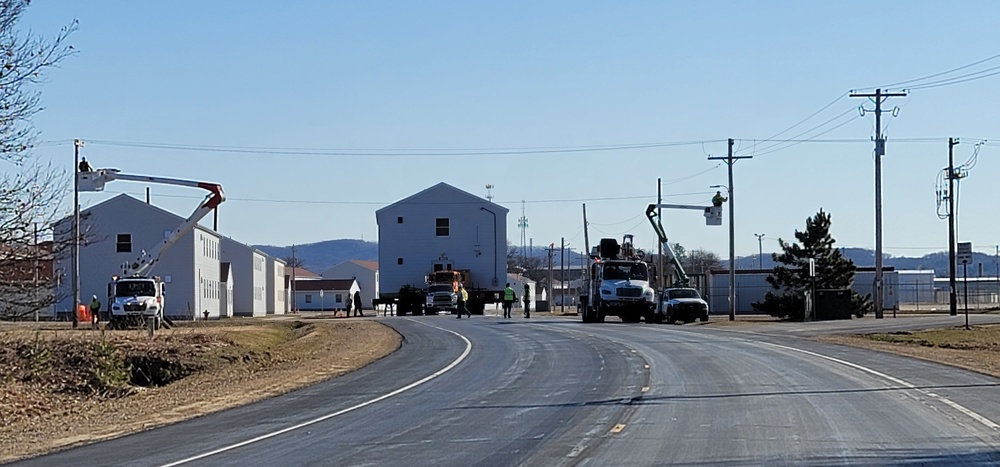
x=522, y=224
x=489, y=192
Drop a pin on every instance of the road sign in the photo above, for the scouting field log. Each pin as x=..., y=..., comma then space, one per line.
x=965, y=252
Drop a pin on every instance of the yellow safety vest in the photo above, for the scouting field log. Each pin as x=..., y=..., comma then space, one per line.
x=508, y=293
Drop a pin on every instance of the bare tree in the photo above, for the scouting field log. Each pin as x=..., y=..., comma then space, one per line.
x=30, y=194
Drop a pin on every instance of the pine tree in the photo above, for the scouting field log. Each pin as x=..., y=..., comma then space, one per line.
x=791, y=280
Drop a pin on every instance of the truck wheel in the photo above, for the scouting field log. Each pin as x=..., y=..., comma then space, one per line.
x=600, y=315
x=704, y=317
x=671, y=319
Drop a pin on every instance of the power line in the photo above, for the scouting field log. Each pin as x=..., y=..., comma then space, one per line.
x=935, y=75
x=402, y=152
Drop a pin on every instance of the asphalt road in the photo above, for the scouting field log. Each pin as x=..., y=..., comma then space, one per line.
x=487, y=391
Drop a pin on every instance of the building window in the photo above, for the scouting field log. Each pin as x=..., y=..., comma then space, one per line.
x=309, y=298
x=124, y=244
x=399, y=260
x=399, y=220
x=442, y=225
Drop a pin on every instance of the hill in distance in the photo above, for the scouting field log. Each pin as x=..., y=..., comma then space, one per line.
x=320, y=256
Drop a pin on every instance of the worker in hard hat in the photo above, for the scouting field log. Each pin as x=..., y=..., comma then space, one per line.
x=718, y=199
x=95, y=309
x=85, y=166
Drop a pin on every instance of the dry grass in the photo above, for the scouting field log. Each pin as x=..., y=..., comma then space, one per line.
x=976, y=349
x=50, y=399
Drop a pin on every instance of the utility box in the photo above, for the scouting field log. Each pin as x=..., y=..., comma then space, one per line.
x=833, y=304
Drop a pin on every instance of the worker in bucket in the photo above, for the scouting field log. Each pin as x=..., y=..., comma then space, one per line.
x=85, y=166
x=718, y=199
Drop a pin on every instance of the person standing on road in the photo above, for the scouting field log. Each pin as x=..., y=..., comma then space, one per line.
x=95, y=308
x=357, y=304
x=527, y=301
x=508, y=300
x=463, y=297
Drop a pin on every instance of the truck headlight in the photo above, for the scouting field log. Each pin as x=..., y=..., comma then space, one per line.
x=116, y=307
x=605, y=291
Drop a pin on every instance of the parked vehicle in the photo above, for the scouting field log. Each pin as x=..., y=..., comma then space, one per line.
x=619, y=284
x=684, y=304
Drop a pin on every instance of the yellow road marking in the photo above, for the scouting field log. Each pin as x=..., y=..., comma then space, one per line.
x=618, y=428
x=645, y=389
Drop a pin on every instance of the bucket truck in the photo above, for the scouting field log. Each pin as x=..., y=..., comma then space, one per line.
x=620, y=283
x=679, y=300
x=136, y=294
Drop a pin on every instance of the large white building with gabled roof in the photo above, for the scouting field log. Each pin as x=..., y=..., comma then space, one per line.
x=441, y=228
x=198, y=277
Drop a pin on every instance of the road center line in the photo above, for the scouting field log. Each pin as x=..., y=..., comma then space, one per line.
x=453, y=364
x=973, y=415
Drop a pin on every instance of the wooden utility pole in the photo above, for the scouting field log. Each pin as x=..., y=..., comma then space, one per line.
x=878, y=96
x=77, y=144
x=730, y=160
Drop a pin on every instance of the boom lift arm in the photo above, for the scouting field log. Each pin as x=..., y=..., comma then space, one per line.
x=95, y=181
x=713, y=216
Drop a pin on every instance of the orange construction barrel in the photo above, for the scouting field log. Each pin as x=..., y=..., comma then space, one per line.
x=83, y=313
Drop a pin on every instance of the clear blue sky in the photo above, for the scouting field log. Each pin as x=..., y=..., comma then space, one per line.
x=422, y=77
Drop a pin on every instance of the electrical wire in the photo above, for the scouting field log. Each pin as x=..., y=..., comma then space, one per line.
x=398, y=152
x=935, y=75
x=771, y=148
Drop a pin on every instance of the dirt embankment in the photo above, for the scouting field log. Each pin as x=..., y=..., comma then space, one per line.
x=60, y=387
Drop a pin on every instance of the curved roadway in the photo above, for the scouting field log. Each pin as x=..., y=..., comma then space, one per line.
x=487, y=391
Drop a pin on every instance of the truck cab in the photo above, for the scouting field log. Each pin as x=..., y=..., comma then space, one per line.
x=133, y=299
x=620, y=284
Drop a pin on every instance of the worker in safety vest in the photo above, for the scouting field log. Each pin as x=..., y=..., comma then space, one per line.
x=463, y=297
x=508, y=300
x=718, y=199
x=95, y=308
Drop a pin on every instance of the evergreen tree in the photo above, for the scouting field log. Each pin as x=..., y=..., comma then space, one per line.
x=791, y=280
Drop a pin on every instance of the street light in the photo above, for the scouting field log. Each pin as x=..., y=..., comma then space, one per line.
x=732, y=255
x=760, y=251
x=495, y=280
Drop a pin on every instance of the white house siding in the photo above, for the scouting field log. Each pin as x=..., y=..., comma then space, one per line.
x=249, y=278
x=362, y=272
x=207, y=257
x=275, y=296
x=99, y=260
x=334, y=294
x=476, y=239
x=226, y=276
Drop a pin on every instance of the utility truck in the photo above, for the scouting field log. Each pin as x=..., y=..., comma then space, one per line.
x=136, y=295
x=679, y=300
x=620, y=283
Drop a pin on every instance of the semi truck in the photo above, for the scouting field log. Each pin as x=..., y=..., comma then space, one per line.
x=136, y=295
x=438, y=292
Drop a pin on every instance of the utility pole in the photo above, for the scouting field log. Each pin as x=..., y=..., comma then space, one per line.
x=760, y=251
x=294, y=307
x=548, y=296
x=586, y=259
x=730, y=160
x=952, y=293
x=879, y=152
x=77, y=144
x=562, y=275
x=659, y=246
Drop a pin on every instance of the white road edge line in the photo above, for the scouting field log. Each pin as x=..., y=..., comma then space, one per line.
x=453, y=364
x=973, y=415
